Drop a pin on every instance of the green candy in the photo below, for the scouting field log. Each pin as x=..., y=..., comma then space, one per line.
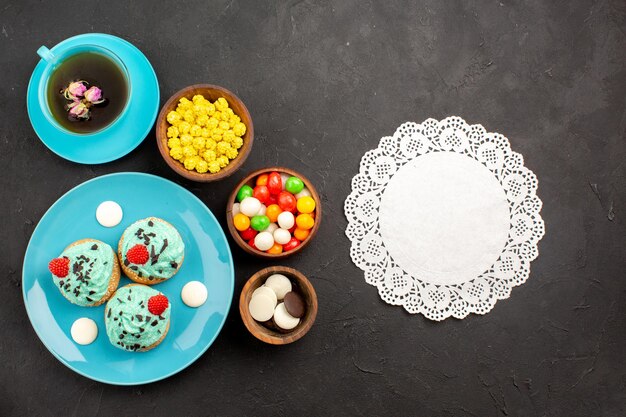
x=245, y=191
x=294, y=185
x=259, y=223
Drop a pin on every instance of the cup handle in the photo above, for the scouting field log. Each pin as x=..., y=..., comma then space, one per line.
x=45, y=54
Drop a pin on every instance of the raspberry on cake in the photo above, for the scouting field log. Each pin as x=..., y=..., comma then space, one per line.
x=138, y=254
x=59, y=267
x=157, y=304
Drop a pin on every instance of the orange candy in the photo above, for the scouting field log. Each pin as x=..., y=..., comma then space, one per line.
x=272, y=211
x=301, y=234
x=262, y=179
x=304, y=221
x=241, y=222
x=276, y=249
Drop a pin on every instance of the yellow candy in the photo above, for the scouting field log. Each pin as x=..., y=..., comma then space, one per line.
x=224, y=117
x=212, y=123
x=210, y=144
x=209, y=155
x=239, y=129
x=189, y=151
x=189, y=116
x=202, y=166
x=222, y=147
x=231, y=153
x=228, y=136
x=184, y=103
x=202, y=120
x=306, y=205
x=233, y=120
x=186, y=139
x=172, y=132
x=183, y=127
x=173, y=143
x=222, y=160
x=221, y=104
x=198, y=143
x=237, y=142
x=199, y=109
x=197, y=99
x=224, y=126
x=217, y=115
x=176, y=153
x=195, y=130
x=230, y=112
x=190, y=163
x=214, y=167
x=241, y=222
x=210, y=108
x=173, y=118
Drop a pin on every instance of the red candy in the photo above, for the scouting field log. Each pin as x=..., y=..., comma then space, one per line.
x=287, y=201
x=272, y=199
x=248, y=234
x=251, y=243
x=292, y=244
x=274, y=183
x=261, y=193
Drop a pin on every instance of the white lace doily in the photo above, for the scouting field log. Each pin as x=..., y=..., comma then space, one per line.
x=444, y=218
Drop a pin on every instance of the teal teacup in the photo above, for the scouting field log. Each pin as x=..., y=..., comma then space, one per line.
x=96, y=66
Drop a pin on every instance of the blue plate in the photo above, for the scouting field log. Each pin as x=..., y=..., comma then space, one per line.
x=118, y=140
x=207, y=259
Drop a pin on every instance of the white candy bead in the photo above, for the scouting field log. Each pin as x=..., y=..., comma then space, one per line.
x=262, y=210
x=250, y=206
x=194, y=294
x=262, y=307
x=283, y=319
x=263, y=241
x=271, y=227
x=267, y=291
x=85, y=330
x=304, y=193
x=280, y=284
x=286, y=220
x=236, y=210
x=109, y=214
x=284, y=177
x=281, y=236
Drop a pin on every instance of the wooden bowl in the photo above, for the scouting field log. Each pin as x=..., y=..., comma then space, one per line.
x=212, y=93
x=250, y=179
x=268, y=334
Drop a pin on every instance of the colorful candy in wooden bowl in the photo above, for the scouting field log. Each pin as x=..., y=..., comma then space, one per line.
x=204, y=132
x=278, y=305
x=273, y=212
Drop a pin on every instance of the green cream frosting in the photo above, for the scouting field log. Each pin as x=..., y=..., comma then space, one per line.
x=129, y=324
x=90, y=269
x=164, y=244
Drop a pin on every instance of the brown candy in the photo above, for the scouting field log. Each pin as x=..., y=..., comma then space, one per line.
x=294, y=304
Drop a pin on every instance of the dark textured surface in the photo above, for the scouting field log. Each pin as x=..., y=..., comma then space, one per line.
x=323, y=82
